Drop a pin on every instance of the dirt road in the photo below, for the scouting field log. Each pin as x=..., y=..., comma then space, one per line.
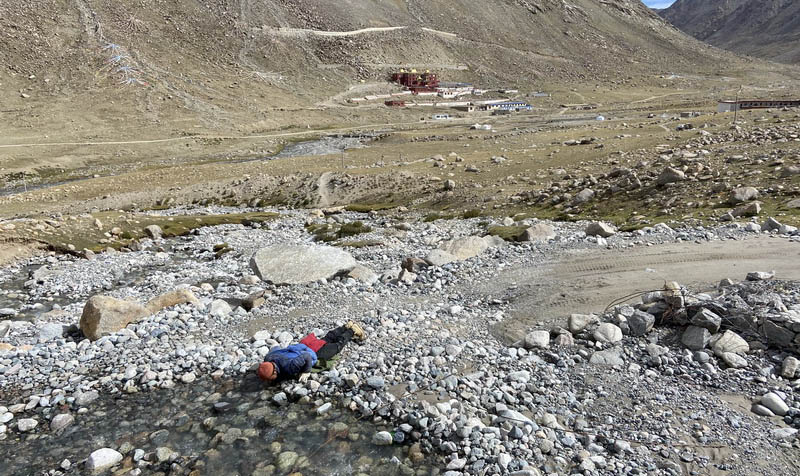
x=587, y=281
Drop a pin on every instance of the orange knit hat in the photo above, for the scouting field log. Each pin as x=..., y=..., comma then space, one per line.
x=267, y=371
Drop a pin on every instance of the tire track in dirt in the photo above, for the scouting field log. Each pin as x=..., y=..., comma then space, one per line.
x=587, y=281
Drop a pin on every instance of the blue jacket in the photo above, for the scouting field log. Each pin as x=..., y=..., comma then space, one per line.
x=293, y=360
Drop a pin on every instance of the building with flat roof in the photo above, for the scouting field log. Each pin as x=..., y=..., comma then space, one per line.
x=515, y=106
x=746, y=104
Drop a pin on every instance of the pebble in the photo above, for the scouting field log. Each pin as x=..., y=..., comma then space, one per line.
x=26, y=424
x=382, y=438
x=102, y=459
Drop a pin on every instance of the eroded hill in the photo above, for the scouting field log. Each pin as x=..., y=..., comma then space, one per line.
x=74, y=67
x=762, y=28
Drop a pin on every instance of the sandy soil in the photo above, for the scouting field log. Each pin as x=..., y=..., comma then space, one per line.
x=587, y=281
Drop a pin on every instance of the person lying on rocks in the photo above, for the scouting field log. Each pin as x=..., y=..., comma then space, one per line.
x=298, y=359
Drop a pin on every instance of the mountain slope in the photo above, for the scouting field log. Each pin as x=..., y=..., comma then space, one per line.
x=197, y=64
x=762, y=28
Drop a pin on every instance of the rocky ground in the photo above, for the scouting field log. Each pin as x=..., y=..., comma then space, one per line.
x=671, y=382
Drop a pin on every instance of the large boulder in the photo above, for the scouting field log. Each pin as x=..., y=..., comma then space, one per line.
x=439, y=257
x=153, y=231
x=364, y=275
x=706, y=319
x=172, y=298
x=540, y=232
x=598, y=228
x=300, y=264
x=670, y=175
x=729, y=342
x=640, y=323
x=607, y=332
x=695, y=337
x=104, y=315
x=470, y=246
x=743, y=194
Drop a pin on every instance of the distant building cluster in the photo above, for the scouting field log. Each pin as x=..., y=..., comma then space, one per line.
x=427, y=84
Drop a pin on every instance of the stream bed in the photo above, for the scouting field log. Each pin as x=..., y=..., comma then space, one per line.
x=227, y=427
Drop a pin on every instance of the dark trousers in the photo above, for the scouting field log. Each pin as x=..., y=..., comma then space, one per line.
x=335, y=341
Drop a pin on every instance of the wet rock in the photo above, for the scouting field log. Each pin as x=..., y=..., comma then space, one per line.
x=61, y=421
x=188, y=377
x=104, y=315
x=102, y=459
x=26, y=424
x=603, y=230
x=382, y=438
x=84, y=398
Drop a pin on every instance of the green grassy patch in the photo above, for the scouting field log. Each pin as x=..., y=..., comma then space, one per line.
x=438, y=216
x=366, y=208
x=352, y=229
x=508, y=233
x=327, y=232
x=86, y=235
x=358, y=244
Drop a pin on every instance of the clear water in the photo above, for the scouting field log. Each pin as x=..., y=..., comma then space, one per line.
x=247, y=439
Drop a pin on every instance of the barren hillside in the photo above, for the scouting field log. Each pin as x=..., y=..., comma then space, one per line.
x=188, y=65
x=763, y=28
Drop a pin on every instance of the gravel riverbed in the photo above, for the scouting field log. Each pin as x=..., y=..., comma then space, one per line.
x=433, y=390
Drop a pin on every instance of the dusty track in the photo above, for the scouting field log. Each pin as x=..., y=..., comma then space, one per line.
x=587, y=281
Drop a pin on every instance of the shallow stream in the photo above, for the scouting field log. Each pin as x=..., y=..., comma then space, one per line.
x=230, y=427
